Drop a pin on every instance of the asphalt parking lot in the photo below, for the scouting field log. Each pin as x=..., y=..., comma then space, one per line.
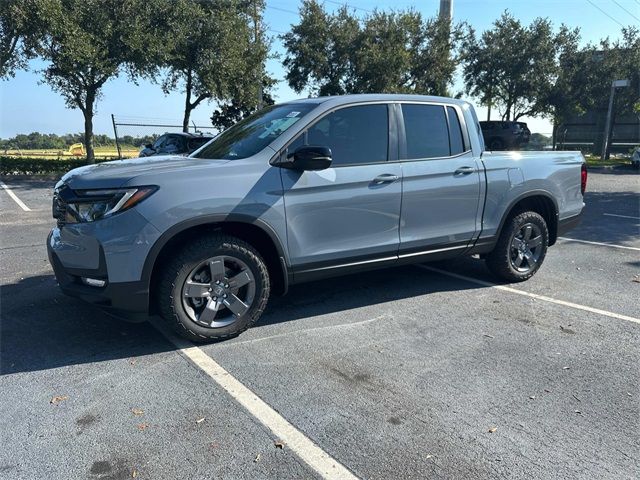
x=404, y=373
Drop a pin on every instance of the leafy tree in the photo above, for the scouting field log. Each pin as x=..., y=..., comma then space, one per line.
x=515, y=67
x=22, y=23
x=584, y=83
x=216, y=49
x=393, y=52
x=92, y=41
x=320, y=50
x=229, y=113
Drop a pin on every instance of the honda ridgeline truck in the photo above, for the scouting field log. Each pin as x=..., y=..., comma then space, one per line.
x=301, y=191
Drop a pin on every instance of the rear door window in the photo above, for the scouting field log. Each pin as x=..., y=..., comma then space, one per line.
x=456, y=143
x=426, y=130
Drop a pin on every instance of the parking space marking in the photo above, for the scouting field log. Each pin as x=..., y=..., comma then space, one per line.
x=598, y=243
x=533, y=295
x=310, y=453
x=621, y=216
x=306, y=330
x=15, y=197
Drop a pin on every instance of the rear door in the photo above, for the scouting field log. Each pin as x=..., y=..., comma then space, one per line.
x=349, y=213
x=441, y=180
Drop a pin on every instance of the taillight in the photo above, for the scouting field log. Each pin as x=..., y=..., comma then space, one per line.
x=583, y=178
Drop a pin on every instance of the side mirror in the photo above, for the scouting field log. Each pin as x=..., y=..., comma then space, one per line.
x=309, y=158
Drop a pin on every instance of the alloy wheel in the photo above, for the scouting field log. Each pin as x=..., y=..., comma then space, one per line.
x=526, y=248
x=218, y=291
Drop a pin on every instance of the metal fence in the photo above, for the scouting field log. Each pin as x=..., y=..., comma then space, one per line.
x=588, y=137
x=133, y=133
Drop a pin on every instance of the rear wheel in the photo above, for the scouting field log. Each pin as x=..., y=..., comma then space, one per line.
x=215, y=288
x=521, y=248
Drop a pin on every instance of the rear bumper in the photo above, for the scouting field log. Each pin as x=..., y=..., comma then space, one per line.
x=124, y=299
x=568, y=223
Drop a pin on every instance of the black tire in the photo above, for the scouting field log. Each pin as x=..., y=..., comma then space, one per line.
x=496, y=144
x=512, y=248
x=180, y=310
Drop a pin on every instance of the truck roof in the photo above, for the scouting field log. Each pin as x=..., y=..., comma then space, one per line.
x=388, y=97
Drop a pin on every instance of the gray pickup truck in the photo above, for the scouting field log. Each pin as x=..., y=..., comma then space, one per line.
x=301, y=191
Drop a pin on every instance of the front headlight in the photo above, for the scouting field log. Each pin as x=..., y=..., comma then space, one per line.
x=90, y=205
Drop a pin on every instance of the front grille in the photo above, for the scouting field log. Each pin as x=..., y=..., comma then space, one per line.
x=59, y=206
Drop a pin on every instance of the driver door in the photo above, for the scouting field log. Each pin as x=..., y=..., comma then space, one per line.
x=348, y=214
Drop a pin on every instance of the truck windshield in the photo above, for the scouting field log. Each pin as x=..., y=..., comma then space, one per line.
x=251, y=135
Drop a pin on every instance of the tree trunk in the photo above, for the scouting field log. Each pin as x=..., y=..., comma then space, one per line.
x=88, y=127
x=187, y=103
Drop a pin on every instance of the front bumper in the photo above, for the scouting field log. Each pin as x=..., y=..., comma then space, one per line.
x=113, y=250
x=126, y=299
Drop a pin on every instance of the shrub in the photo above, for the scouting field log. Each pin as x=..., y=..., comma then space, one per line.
x=38, y=166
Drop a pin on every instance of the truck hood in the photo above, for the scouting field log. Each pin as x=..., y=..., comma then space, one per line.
x=115, y=174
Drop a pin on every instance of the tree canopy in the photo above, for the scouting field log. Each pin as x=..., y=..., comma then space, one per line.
x=385, y=52
x=215, y=49
x=586, y=75
x=515, y=67
x=22, y=24
x=92, y=41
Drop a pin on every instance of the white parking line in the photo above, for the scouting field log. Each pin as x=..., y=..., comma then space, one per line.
x=621, y=216
x=598, y=243
x=533, y=295
x=307, y=330
x=316, y=458
x=15, y=197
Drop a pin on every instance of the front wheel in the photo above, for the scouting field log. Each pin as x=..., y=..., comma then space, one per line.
x=214, y=288
x=521, y=248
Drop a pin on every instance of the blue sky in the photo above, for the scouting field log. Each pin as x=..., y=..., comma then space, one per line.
x=27, y=105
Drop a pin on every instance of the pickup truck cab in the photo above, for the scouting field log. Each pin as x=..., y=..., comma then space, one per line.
x=301, y=191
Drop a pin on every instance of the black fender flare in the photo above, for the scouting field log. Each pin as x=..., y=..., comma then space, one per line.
x=211, y=219
x=529, y=194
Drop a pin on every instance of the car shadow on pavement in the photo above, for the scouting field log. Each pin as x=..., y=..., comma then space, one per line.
x=597, y=227
x=40, y=328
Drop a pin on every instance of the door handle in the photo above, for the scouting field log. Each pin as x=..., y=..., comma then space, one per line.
x=464, y=171
x=386, y=178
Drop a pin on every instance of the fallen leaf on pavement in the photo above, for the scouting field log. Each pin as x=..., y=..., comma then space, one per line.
x=279, y=444
x=492, y=429
x=134, y=474
x=429, y=456
x=143, y=426
x=137, y=412
x=57, y=399
x=566, y=368
x=257, y=458
x=200, y=420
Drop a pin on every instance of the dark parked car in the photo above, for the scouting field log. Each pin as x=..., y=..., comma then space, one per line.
x=175, y=144
x=500, y=135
